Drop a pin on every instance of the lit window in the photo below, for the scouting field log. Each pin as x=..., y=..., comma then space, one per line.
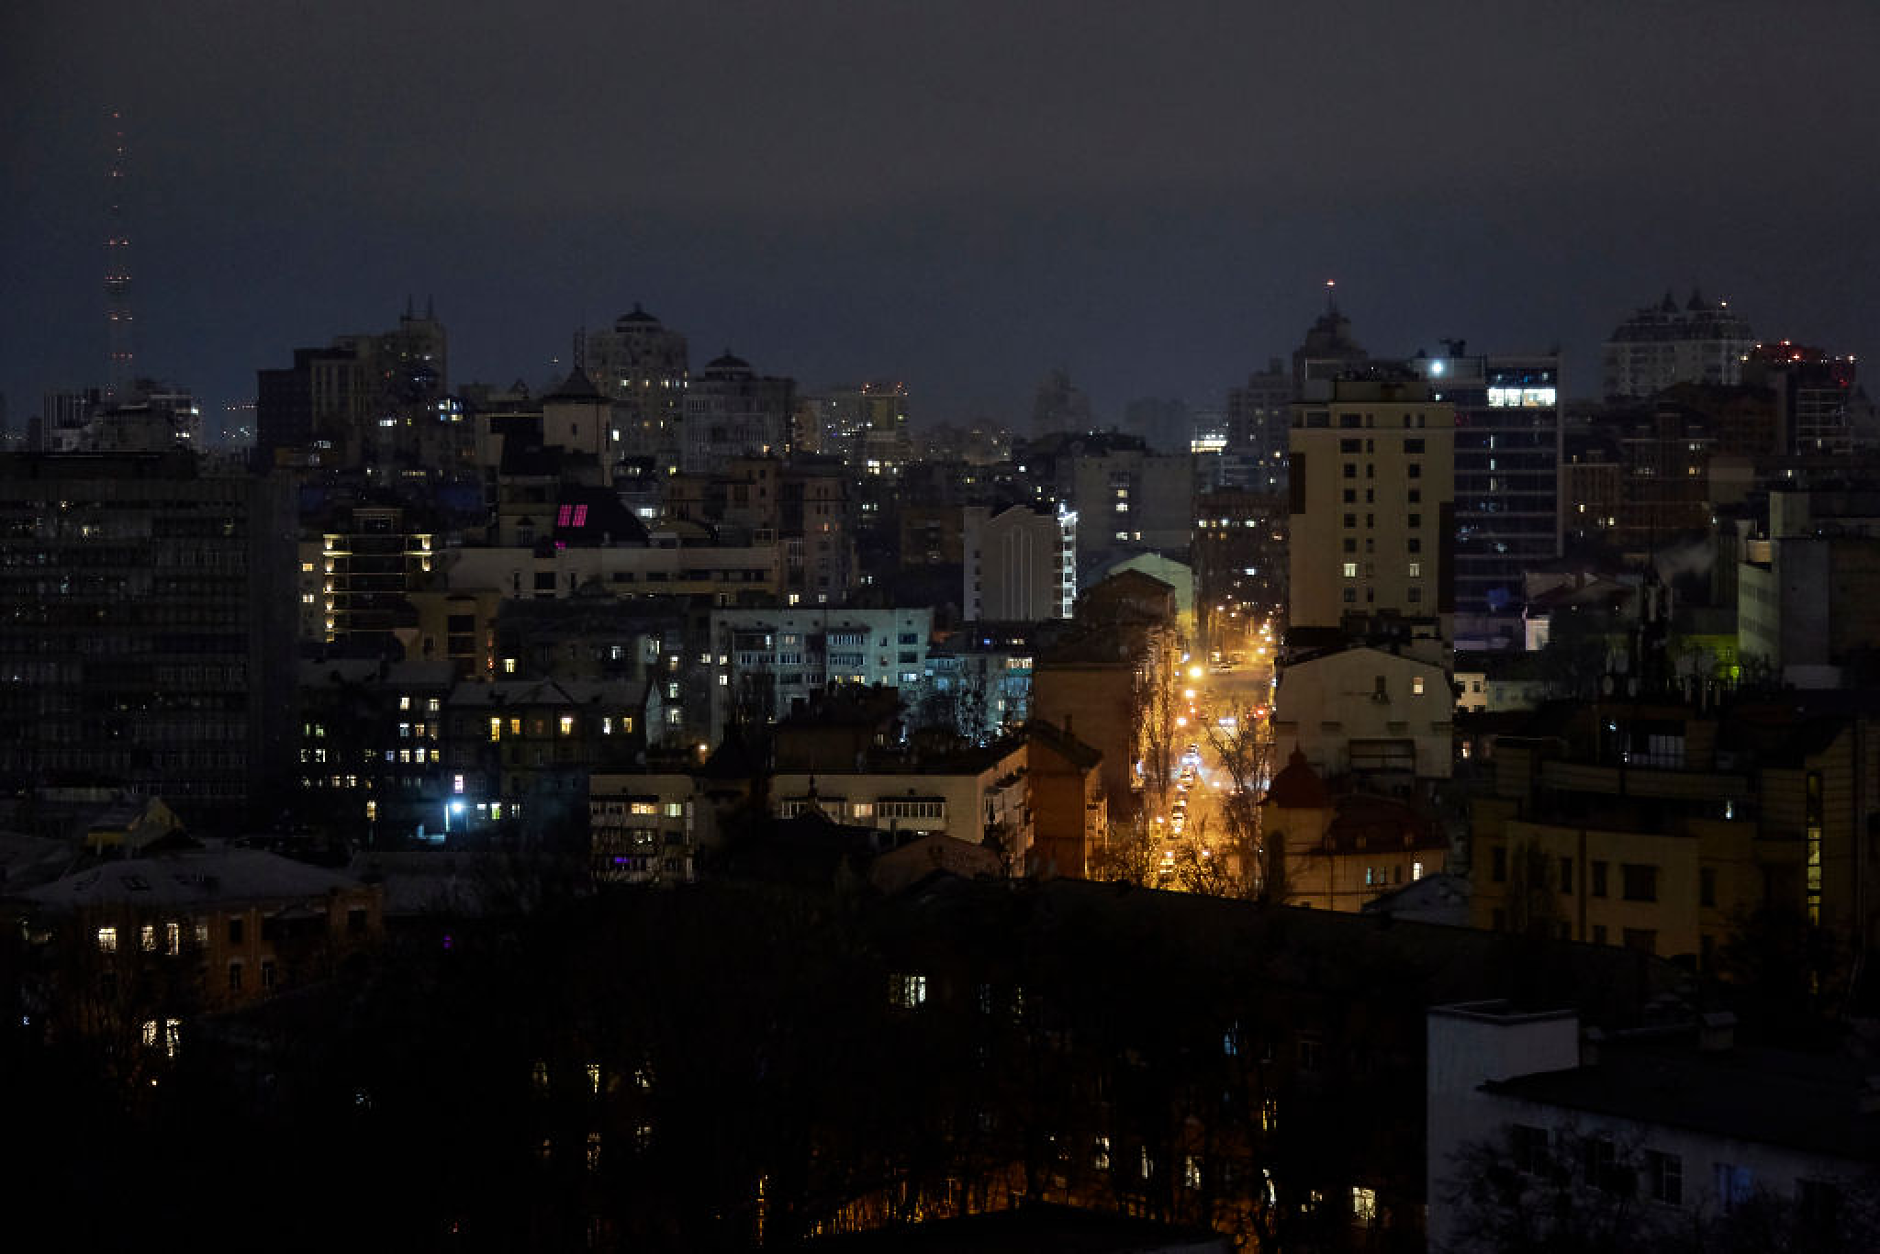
x=107, y=940
x=567, y=724
x=148, y=937
x=496, y=729
x=1416, y=686
x=908, y=991
x=1363, y=1206
x=509, y=666
x=1351, y=570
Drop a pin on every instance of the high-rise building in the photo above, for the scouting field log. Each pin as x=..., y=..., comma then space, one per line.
x=1662, y=344
x=1059, y=405
x=1259, y=415
x=1372, y=506
x=643, y=367
x=866, y=426
x=1329, y=349
x=732, y=411
x=366, y=402
x=1507, y=470
x=148, y=639
x=1020, y=563
x=1812, y=391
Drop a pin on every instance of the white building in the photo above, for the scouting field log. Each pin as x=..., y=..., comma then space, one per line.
x=764, y=660
x=1661, y=344
x=1664, y=1131
x=1020, y=563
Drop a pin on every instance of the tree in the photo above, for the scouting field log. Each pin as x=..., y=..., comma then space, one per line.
x=1244, y=753
x=1787, y=975
x=1574, y=659
x=1533, y=891
x=1580, y=1193
x=1130, y=853
x=1155, y=705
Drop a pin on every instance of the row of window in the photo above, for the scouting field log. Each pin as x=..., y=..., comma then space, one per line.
x=1655, y=1174
x=1638, y=880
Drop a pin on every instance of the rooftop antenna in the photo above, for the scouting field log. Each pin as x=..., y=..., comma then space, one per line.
x=1331, y=296
x=117, y=271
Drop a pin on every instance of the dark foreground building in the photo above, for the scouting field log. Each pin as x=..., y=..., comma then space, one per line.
x=730, y=1065
x=146, y=629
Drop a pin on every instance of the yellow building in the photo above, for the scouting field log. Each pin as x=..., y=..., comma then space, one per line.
x=1339, y=853
x=1373, y=484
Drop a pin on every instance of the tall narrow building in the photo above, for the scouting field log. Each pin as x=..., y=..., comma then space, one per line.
x=642, y=366
x=1507, y=471
x=1371, y=479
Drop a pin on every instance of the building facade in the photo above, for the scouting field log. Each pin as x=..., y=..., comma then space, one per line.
x=1020, y=563
x=149, y=635
x=1371, y=510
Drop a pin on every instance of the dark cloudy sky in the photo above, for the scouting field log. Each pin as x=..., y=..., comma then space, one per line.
x=957, y=194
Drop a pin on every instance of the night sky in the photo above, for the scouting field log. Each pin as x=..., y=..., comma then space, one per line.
x=959, y=195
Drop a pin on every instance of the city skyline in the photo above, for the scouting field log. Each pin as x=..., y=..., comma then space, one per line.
x=959, y=200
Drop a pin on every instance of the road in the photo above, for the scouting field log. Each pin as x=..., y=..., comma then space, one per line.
x=1240, y=695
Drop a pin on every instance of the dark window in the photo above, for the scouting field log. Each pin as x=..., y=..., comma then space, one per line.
x=1601, y=1170
x=1599, y=879
x=1530, y=1149
x=1413, y=444
x=1498, y=864
x=1351, y=470
x=1643, y=939
x=234, y=977
x=1640, y=882
x=1566, y=875
x=356, y=922
x=1707, y=886
x=234, y=931
x=1819, y=1202
x=1665, y=1177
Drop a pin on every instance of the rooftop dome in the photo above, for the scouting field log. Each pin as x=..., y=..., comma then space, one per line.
x=1298, y=787
x=639, y=317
